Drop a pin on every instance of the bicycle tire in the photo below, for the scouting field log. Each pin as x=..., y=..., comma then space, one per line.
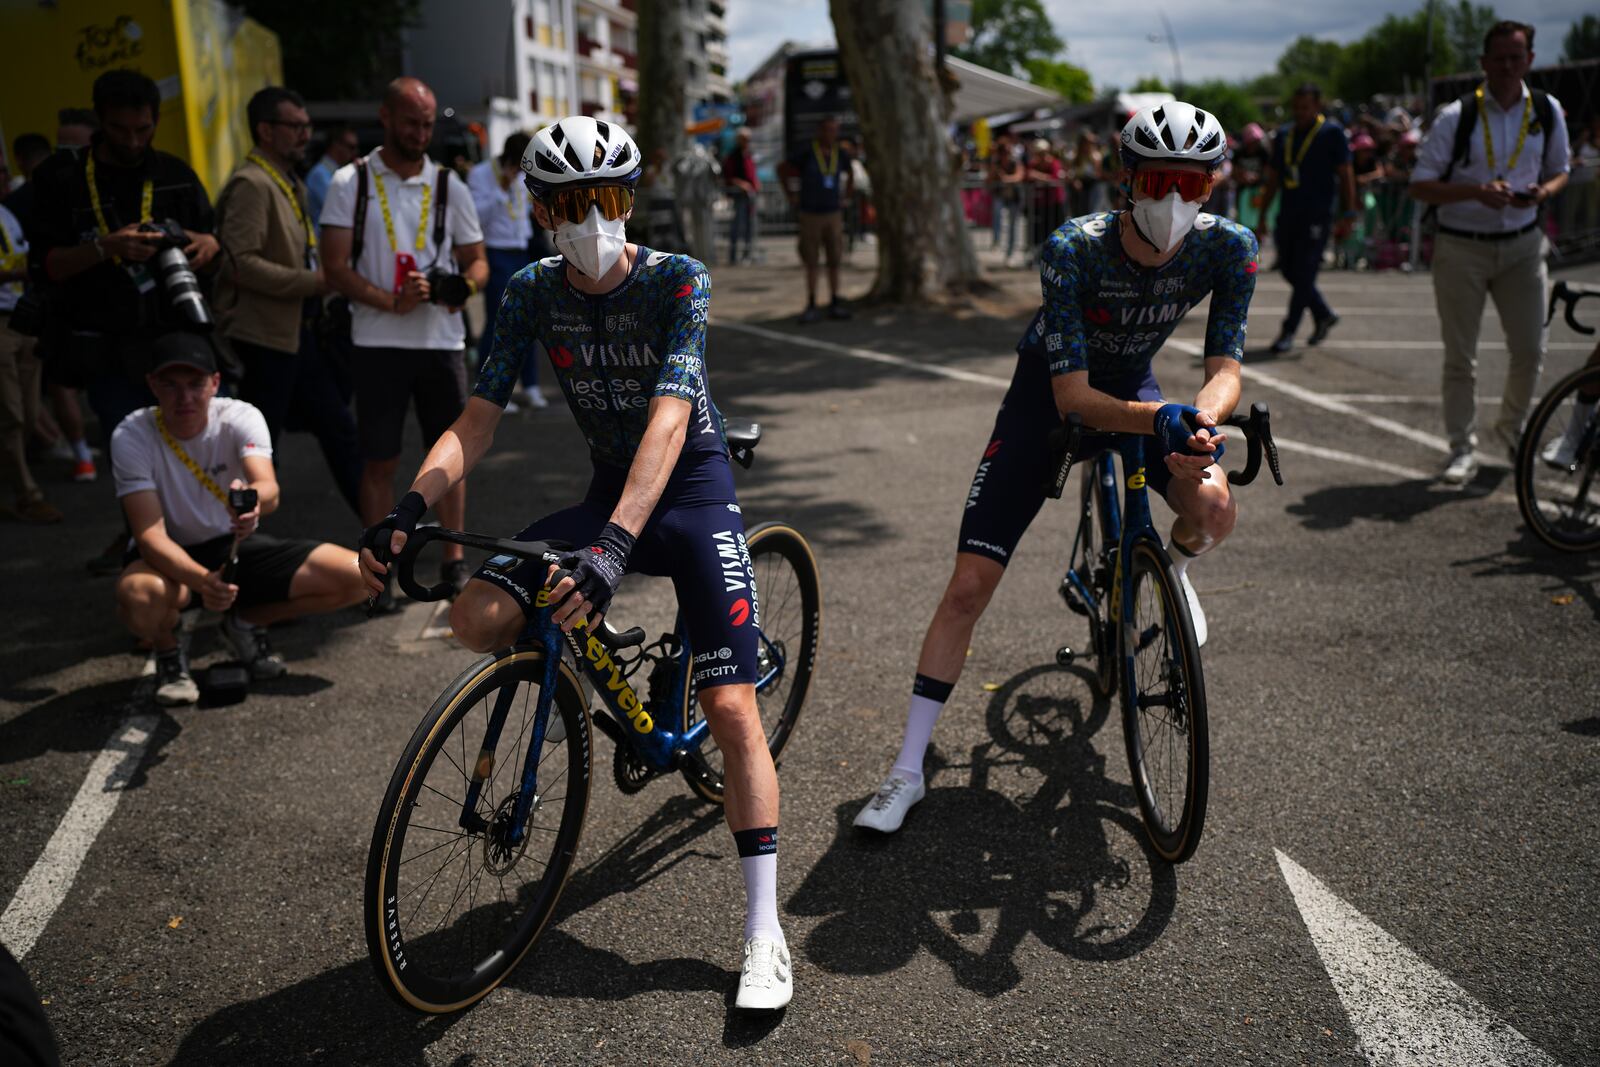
x=1164, y=706
x=791, y=625
x=1102, y=635
x=425, y=971
x=1537, y=480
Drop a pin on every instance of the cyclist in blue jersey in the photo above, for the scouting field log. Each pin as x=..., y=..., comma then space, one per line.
x=1115, y=286
x=625, y=329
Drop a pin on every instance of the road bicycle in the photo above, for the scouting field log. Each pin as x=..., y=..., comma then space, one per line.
x=1558, y=457
x=478, y=829
x=1140, y=633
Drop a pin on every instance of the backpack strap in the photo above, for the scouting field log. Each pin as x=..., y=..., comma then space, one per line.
x=1462, y=147
x=1544, y=111
x=442, y=196
x=359, y=235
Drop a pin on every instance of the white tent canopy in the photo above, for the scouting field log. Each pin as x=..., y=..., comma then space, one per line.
x=984, y=92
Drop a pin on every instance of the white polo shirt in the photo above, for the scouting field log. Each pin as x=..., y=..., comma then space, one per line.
x=142, y=460
x=503, y=213
x=428, y=325
x=1535, y=164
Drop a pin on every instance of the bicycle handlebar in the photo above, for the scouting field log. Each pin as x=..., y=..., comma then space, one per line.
x=1570, y=293
x=548, y=552
x=1067, y=439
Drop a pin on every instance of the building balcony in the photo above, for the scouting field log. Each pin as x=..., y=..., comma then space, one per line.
x=623, y=13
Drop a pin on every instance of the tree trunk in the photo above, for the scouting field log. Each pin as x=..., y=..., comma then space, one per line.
x=886, y=47
x=661, y=88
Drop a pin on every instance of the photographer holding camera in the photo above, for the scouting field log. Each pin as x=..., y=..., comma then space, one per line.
x=396, y=228
x=195, y=476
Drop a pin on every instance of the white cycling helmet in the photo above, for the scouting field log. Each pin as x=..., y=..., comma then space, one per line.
x=579, y=150
x=1173, y=131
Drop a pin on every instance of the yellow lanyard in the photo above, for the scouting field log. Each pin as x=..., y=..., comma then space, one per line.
x=294, y=200
x=1291, y=180
x=194, y=468
x=145, y=198
x=10, y=258
x=1488, y=140
x=388, y=220
x=831, y=168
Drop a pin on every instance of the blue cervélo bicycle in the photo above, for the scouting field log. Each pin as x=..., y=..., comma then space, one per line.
x=479, y=826
x=1120, y=577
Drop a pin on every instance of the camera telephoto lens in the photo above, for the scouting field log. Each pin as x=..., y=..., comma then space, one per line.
x=182, y=287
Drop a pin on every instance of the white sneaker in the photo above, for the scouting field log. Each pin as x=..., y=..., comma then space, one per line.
x=765, y=980
x=1462, y=468
x=174, y=684
x=537, y=399
x=887, y=809
x=1197, y=616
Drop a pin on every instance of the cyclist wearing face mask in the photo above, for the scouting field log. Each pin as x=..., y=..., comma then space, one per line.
x=1116, y=285
x=625, y=330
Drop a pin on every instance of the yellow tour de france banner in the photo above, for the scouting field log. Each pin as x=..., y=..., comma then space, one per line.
x=204, y=55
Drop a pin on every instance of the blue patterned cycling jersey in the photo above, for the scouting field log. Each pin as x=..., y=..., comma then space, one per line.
x=1108, y=315
x=612, y=353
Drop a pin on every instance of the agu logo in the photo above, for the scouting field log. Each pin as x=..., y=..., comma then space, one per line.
x=1098, y=316
x=739, y=612
x=994, y=446
x=561, y=356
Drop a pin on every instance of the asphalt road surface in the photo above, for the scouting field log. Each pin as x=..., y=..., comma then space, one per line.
x=1398, y=858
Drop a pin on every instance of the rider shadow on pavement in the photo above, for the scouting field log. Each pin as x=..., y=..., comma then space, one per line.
x=1337, y=507
x=1036, y=840
x=342, y=1015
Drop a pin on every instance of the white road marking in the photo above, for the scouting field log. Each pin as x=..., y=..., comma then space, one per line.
x=1403, y=1011
x=1386, y=398
x=862, y=353
x=52, y=875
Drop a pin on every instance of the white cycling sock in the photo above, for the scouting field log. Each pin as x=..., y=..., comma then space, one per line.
x=758, y=859
x=1181, y=558
x=928, y=697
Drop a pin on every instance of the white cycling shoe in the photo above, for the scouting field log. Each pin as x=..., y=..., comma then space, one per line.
x=1195, y=614
x=766, y=981
x=887, y=809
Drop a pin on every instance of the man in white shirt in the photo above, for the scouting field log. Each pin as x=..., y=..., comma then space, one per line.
x=408, y=340
x=19, y=385
x=503, y=211
x=171, y=463
x=1489, y=237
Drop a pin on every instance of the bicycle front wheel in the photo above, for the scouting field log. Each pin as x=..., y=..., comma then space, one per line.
x=789, y=593
x=457, y=891
x=1558, y=460
x=1164, y=706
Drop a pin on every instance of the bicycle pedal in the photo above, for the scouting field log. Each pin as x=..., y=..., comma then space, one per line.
x=1065, y=656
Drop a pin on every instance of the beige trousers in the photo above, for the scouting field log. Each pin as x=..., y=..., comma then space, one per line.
x=1513, y=272
x=19, y=409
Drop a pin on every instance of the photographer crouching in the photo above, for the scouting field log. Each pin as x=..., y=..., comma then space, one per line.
x=120, y=230
x=194, y=474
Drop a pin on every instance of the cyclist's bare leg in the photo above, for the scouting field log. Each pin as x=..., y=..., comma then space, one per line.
x=485, y=617
x=1206, y=511
x=750, y=795
x=148, y=605
x=971, y=585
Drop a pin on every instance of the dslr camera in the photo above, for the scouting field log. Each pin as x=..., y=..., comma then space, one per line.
x=447, y=288
x=178, y=282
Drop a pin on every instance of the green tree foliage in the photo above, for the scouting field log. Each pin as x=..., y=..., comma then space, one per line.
x=1231, y=102
x=1071, y=83
x=1308, y=60
x=1008, y=33
x=1150, y=83
x=318, y=60
x=1389, y=54
x=1582, y=40
x=1465, y=25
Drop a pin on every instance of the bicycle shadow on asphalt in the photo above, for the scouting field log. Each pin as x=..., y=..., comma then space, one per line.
x=343, y=1016
x=1575, y=575
x=1339, y=506
x=977, y=867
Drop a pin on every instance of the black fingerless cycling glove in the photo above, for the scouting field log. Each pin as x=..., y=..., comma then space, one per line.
x=403, y=519
x=598, y=569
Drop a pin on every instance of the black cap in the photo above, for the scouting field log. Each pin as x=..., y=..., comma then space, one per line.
x=180, y=348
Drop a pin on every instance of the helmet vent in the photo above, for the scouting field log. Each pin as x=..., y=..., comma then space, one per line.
x=552, y=163
x=1141, y=137
x=572, y=157
x=558, y=135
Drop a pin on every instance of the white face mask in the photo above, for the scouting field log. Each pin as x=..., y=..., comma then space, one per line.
x=1165, y=222
x=592, y=245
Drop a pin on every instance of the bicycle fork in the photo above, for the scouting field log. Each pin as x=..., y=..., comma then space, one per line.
x=527, y=793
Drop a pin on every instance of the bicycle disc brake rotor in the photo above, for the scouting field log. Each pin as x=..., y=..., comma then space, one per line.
x=500, y=856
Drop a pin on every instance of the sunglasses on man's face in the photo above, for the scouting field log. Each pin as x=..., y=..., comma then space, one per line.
x=573, y=205
x=1192, y=185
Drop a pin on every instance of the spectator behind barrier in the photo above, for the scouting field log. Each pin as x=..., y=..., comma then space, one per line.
x=194, y=538
x=822, y=176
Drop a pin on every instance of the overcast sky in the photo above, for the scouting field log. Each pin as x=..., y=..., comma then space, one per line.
x=1221, y=39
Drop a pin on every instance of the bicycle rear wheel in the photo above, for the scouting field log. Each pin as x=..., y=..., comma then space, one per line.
x=789, y=593
x=1558, y=465
x=452, y=909
x=1164, y=707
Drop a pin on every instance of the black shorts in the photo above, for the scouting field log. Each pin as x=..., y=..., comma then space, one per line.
x=388, y=379
x=1009, y=486
x=700, y=546
x=266, y=564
